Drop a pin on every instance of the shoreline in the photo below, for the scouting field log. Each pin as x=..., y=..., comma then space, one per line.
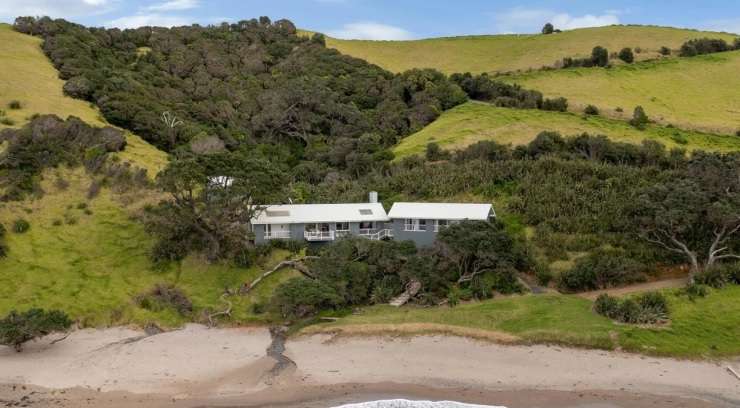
x=200, y=367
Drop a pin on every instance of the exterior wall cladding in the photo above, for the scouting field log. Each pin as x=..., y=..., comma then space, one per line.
x=397, y=226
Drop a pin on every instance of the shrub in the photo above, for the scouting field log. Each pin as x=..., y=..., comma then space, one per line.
x=665, y=51
x=600, y=56
x=7, y=121
x=57, y=222
x=163, y=296
x=435, y=153
x=19, y=327
x=601, y=269
x=21, y=226
x=737, y=133
x=14, y=104
x=543, y=274
x=699, y=46
x=301, y=297
x=646, y=308
x=591, y=110
x=695, y=290
x=258, y=308
x=719, y=275
x=639, y=118
x=555, y=104
x=3, y=248
x=626, y=55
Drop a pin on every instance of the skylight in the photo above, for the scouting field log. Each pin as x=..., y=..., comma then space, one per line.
x=366, y=211
x=277, y=213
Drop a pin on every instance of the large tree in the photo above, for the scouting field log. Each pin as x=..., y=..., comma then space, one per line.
x=213, y=199
x=696, y=212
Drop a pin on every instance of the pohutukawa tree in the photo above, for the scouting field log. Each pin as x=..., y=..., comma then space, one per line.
x=696, y=213
x=213, y=199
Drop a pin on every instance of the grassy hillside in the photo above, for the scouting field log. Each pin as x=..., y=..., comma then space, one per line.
x=696, y=93
x=502, y=53
x=27, y=76
x=705, y=327
x=473, y=122
x=93, y=265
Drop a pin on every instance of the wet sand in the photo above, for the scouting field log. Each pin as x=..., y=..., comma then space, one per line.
x=200, y=367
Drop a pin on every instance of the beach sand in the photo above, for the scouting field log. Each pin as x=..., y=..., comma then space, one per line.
x=201, y=367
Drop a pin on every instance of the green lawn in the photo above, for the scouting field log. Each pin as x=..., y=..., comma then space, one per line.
x=691, y=93
x=503, y=53
x=473, y=122
x=706, y=328
x=93, y=268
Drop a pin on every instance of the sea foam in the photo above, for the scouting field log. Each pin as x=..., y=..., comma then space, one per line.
x=403, y=403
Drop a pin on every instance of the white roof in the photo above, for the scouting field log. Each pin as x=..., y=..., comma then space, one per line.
x=308, y=213
x=441, y=211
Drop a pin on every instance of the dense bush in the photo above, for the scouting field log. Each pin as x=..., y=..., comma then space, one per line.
x=701, y=46
x=555, y=104
x=253, y=81
x=163, y=296
x=20, y=327
x=626, y=55
x=434, y=153
x=601, y=269
x=47, y=142
x=3, y=247
x=300, y=297
x=599, y=58
x=14, y=104
x=720, y=275
x=483, y=88
x=646, y=308
x=665, y=51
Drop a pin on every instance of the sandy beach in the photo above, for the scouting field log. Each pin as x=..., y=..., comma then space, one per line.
x=197, y=366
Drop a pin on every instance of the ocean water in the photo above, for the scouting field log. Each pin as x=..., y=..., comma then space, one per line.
x=403, y=403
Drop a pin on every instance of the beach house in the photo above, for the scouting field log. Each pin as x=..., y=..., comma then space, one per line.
x=323, y=223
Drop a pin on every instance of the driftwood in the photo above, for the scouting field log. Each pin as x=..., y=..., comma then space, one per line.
x=55, y=341
x=225, y=312
x=297, y=264
x=733, y=372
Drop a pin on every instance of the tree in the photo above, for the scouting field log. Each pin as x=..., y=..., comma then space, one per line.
x=19, y=327
x=626, y=55
x=471, y=248
x=695, y=213
x=600, y=56
x=213, y=199
x=548, y=29
x=639, y=118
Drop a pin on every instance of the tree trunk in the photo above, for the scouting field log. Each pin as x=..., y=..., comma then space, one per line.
x=694, y=267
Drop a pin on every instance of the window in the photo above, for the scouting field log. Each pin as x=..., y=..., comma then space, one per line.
x=440, y=224
x=411, y=224
x=366, y=225
x=342, y=226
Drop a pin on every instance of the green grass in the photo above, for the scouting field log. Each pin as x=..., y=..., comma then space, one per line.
x=692, y=93
x=503, y=53
x=93, y=268
x=28, y=76
x=473, y=122
x=706, y=328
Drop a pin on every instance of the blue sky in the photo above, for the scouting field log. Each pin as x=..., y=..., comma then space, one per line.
x=391, y=19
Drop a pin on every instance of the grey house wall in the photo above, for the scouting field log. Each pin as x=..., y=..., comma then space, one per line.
x=420, y=238
x=297, y=231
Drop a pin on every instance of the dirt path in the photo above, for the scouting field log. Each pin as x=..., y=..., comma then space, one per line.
x=642, y=287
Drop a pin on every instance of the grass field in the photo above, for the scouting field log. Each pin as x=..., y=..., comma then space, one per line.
x=705, y=328
x=27, y=76
x=93, y=265
x=693, y=93
x=503, y=53
x=474, y=121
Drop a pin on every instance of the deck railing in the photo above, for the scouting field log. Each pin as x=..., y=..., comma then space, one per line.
x=277, y=234
x=319, y=235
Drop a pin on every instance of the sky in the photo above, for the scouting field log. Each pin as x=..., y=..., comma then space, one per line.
x=391, y=19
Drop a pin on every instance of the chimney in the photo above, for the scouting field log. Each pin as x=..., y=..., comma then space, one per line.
x=373, y=196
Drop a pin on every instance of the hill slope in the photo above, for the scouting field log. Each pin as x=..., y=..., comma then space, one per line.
x=502, y=53
x=697, y=93
x=475, y=121
x=27, y=76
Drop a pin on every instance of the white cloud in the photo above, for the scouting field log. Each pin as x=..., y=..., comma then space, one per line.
x=730, y=25
x=370, y=31
x=9, y=9
x=174, y=5
x=524, y=20
x=150, y=19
